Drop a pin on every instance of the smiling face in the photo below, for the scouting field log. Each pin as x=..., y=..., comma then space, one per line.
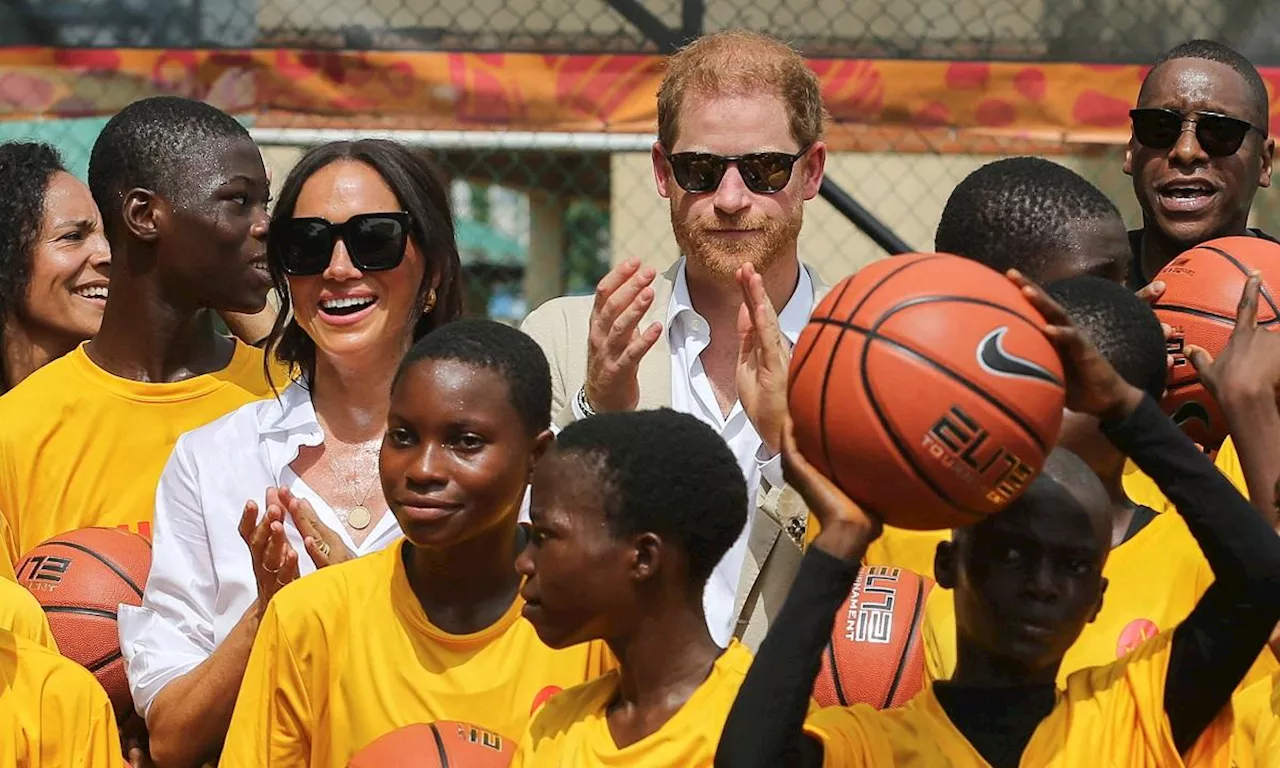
x=349, y=313
x=1188, y=195
x=721, y=230
x=70, y=264
x=456, y=456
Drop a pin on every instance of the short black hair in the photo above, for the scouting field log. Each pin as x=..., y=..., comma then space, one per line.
x=1014, y=213
x=1211, y=50
x=26, y=168
x=666, y=473
x=1123, y=328
x=422, y=192
x=151, y=144
x=500, y=348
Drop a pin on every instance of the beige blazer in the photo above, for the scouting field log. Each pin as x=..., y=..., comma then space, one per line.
x=774, y=548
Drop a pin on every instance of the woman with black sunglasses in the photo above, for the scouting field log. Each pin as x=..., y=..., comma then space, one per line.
x=362, y=250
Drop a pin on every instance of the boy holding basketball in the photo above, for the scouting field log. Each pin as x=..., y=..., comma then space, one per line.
x=631, y=512
x=430, y=628
x=183, y=193
x=1026, y=581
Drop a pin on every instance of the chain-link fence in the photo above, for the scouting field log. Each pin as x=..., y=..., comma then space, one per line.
x=541, y=110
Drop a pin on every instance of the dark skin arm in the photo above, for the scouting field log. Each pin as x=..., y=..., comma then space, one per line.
x=1243, y=379
x=1212, y=649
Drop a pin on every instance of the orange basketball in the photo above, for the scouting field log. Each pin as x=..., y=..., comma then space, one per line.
x=924, y=387
x=80, y=577
x=876, y=653
x=442, y=744
x=1203, y=288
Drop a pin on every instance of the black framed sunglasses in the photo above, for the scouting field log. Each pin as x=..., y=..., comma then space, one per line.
x=764, y=173
x=375, y=242
x=1219, y=135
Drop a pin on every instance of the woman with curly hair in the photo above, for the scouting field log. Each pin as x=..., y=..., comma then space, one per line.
x=54, y=261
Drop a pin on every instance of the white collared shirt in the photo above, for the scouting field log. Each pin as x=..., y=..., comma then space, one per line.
x=201, y=579
x=689, y=335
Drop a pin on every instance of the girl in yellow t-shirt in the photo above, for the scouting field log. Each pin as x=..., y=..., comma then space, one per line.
x=429, y=628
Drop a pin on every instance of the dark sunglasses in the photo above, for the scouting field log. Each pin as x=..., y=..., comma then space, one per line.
x=763, y=172
x=1219, y=135
x=375, y=242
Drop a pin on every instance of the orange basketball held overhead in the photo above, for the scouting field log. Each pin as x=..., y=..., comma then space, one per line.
x=442, y=744
x=1202, y=291
x=925, y=388
x=876, y=653
x=80, y=578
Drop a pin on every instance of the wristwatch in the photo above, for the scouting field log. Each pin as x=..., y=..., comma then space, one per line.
x=583, y=405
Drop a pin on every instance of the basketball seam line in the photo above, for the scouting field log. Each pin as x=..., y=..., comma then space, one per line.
x=906, y=649
x=835, y=674
x=1227, y=319
x=444, y=755
x=1238, y=265
x=835, y=347
x=115, y=656
x=124, y=576
x=82, y=610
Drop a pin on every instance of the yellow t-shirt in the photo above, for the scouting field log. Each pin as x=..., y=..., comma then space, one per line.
x=347, y=655
x=1257, y=715
x=53, y=714
x=1109, y=716
x=21, y=614
x=902, y=548
x=1228, y=463
x=1143, y=491
x=1154, y=580
x=572, y=730
x=8, y=551
x=83, y=448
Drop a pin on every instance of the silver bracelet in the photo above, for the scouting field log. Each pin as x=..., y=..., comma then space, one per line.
x=583, y=404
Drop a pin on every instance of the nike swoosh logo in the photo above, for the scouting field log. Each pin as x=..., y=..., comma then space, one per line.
x=1190, y=411
x=994, y=358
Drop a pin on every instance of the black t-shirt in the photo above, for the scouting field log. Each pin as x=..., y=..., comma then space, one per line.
x=1137, y=280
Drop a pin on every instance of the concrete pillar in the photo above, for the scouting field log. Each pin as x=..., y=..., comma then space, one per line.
x=544, y=274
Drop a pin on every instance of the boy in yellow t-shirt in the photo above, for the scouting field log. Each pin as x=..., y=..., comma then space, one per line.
x=1026, y=581
x=631, y=512
x=53, y=713
x=182, y=191
x=1155, y=572
x=430, y=628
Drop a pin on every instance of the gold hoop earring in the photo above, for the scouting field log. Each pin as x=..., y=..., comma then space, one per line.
x=430, y=303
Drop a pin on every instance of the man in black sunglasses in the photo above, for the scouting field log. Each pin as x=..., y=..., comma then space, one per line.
x=739, y=151
x=1199, y=150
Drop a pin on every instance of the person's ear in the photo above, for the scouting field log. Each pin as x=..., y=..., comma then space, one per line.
x=944, y=565
x=1267, y=153
x=814, y=165
x=542, y=443
x=1097, y=608
x=1128, y=156
x=143, y=212
x=661, y=170
x=647, y=555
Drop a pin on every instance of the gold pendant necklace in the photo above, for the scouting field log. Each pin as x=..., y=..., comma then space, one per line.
x=359, y=517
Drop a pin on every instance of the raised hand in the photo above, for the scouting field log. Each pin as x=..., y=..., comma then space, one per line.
x=763, y=357
x=615, y=344
x=1093, y=386
x=323, y=545
x=846, y=529
x=275, y=563
x=1249, y=366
